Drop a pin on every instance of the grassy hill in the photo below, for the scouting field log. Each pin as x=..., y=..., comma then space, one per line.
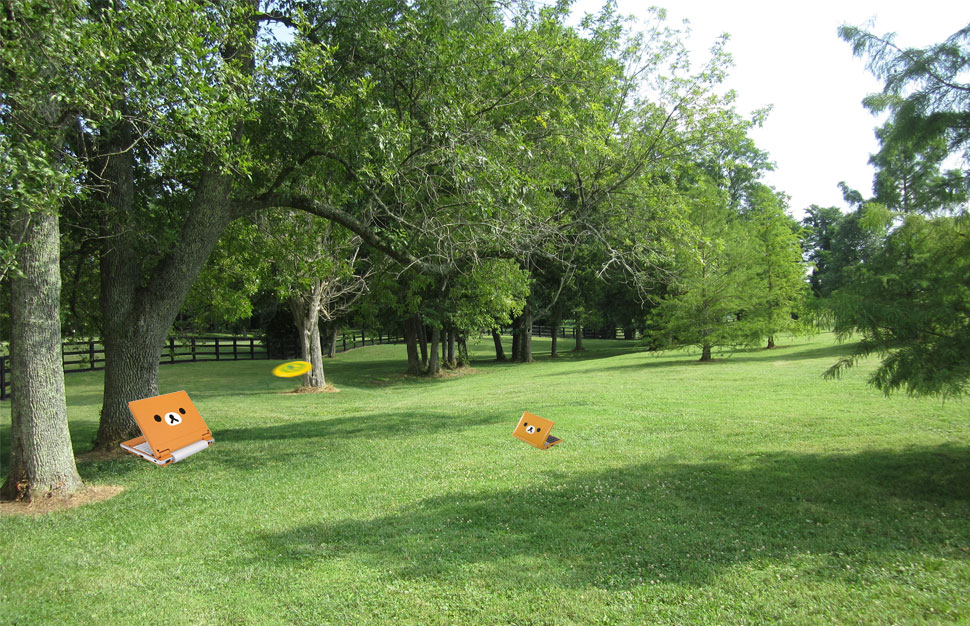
x=739, y=492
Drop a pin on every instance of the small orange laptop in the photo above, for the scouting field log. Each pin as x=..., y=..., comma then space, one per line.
x=171, y=429
x=535, y=430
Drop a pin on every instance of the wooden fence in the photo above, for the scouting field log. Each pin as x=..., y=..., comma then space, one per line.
x=89, y=355
x=569, y=332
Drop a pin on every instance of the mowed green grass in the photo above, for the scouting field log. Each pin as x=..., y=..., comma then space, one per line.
x=747, y=491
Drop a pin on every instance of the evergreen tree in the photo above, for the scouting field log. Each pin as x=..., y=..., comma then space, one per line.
x=821, y=225
x=911, y=306
x=711, y=291
x=909, y=299
x=778, y=287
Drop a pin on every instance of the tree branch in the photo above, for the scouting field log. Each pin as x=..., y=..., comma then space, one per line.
x=345, y=219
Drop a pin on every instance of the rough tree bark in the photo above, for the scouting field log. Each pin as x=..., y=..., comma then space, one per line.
x=306, y=316
x=332, y=331
x=517, y=339
x=137, y=315
x=423, y=343
x=41, y=457
x=463, y=359
x=526, y=341
x=131, y=363
x=499, y=350
x=434, y=361
x=411, y=326
x=451, y=362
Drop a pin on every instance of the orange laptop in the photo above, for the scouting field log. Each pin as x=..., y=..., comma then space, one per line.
x=171, y=426
x=535, y=430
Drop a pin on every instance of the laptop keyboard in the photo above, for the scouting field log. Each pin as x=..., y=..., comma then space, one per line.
x=144, y=447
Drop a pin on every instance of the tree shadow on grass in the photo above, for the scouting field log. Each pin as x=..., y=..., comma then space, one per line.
x=604, y=349
x=298, y=441
x=682, y=523
x=834, y=351
x=371, y=426
x=664, y=360
x=101, y=468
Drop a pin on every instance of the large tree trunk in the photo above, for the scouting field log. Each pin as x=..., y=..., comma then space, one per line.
x=332, y=331
x=705, y=353
x=771, y=342
x=423, y=343
x=136, y=317
x=131, y=373
x=463, y=359
x=139, y=304
x=452, y=363
x=499, y=350
x=306, y=316
x=517, y=339
x=579, y=338
x=411, y=326
x=313, y=354
x=41, y=457
x=131, y=353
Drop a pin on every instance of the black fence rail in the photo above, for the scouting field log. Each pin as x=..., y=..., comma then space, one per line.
x=569, y=332
x=89, y=355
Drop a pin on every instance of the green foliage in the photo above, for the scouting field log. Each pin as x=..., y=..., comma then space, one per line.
x=441, y=132
x=836, y=242
x=46, y=73
x=909, y=176
x=910, y=303
x=235, y=271
x=778, y=290
x=486, y=295
x=907, y=295
x=310, y=264
x=714, y=275
x=88, y=83
x=489, y=295
x=302, y=253
x=821, y=225
x=925, y=90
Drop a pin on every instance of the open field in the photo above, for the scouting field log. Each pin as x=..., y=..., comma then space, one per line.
x=747, y=491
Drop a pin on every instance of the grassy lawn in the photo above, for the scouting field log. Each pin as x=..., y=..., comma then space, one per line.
x=748, y=491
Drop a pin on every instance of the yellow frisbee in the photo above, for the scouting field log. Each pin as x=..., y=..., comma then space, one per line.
x=291, y=369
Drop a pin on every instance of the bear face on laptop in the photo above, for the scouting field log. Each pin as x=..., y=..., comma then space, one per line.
x=534, y=430
x=171, y=418
x=169, y=422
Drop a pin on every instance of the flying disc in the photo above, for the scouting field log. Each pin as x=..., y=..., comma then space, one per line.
x=291, y=369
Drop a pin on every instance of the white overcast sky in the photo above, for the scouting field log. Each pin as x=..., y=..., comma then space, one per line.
x=788, y=55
